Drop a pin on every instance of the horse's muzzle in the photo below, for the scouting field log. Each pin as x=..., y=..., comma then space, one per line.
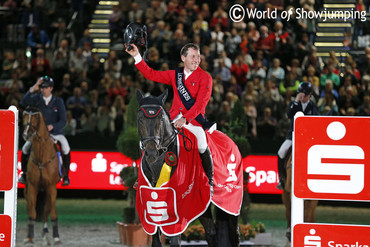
x=27, y=135
x=151, y=155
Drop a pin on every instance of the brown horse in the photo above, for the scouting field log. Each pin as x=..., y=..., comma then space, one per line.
x=42, y=175
x=309, y=205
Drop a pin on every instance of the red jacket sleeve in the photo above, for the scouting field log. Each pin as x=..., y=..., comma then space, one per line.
x=164, y=77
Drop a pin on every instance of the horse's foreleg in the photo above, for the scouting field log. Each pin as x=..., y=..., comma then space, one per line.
x=52, y=191
x=227, y=229
x=156, y=239
x=31, y=210
x=309, y=210
x=233, y=224
x=209, y=226
x=45, y=233
x=45, y=230
x=175, y=241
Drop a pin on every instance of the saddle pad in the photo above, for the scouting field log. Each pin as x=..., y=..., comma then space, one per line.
x=176, y=203
x=228, y=172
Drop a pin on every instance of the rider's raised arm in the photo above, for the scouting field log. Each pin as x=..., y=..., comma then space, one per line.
x=165, y=77
x=29, y=99
x=293, y=108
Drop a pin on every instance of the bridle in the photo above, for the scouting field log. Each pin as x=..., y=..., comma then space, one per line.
x=29, y=127
x=155, y=112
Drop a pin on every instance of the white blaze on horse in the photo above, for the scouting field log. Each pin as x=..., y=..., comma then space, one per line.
x=173, y=189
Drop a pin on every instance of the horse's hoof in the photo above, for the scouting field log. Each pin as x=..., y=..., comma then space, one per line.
x=288, y=234
x=28, y=242
x=57, y=242
x=45, y=241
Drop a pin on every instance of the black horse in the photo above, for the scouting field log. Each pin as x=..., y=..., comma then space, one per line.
x=160, y=144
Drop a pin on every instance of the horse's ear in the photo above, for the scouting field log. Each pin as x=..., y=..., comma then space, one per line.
x=163, y=96
x=139, y=96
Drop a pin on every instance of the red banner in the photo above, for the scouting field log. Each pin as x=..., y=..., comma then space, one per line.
x=331, y=161
x=6, y=150
x=100, y=171
x=263, y=175
x=331, y=235
x=5, y=230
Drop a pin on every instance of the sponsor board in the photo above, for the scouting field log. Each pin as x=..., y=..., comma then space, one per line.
x=331, y=159
x=100, y=171
x=330, y=235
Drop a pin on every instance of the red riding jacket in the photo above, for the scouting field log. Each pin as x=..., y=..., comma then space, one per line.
x=199, y=85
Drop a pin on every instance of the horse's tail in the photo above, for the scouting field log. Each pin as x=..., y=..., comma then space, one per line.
x=40, y=205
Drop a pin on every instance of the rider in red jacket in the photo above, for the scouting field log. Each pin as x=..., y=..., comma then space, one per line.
x=198, y=84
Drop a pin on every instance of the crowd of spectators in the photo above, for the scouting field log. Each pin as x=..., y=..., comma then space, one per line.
x=259, y=62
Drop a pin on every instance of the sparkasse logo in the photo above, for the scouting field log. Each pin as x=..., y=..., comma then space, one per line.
x=313, y=240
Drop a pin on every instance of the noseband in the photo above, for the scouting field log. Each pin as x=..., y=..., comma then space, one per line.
x=32, y=127
x=152, y=112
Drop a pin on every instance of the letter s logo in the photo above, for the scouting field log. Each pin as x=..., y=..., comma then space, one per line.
x=336, y=169
x=157, y=211
x=231, y=168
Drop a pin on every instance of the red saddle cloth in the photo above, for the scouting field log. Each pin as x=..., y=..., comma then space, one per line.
x=186, y=196
x=228, y=172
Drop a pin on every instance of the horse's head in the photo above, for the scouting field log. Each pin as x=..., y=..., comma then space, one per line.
x=154, y=126
x=31, y=122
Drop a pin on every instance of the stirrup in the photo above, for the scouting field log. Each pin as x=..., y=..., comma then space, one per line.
x=22, y=179
x=66, y=181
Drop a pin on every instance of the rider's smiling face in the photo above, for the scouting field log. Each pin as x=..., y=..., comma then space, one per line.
x=192, y=60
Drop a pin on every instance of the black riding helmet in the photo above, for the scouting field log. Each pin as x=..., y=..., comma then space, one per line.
x=135, y=33
x=305, y=87
x=47, y=81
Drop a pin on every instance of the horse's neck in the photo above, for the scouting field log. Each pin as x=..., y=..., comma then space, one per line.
x=169, y=134
x=42, y=138
x=43, y=130
x=153, y=171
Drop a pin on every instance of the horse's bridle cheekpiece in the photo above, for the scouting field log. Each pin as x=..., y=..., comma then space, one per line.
x=153, y=112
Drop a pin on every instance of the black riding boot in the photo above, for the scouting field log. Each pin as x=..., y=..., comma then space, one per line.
x=24, y=161
x=282, y=174
x=66, y=162
x=207, y=163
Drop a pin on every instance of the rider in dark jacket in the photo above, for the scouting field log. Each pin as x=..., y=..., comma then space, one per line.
x=303, y=104
x=54, y=113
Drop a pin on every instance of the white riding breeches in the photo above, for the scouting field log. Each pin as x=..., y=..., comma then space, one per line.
x=63, y=142
x=60, y=138
x=199, y=134
x=284, y=148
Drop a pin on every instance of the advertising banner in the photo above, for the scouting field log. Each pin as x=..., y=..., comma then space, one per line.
x=332, y=158
x=331, y=235
x=91, y=170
